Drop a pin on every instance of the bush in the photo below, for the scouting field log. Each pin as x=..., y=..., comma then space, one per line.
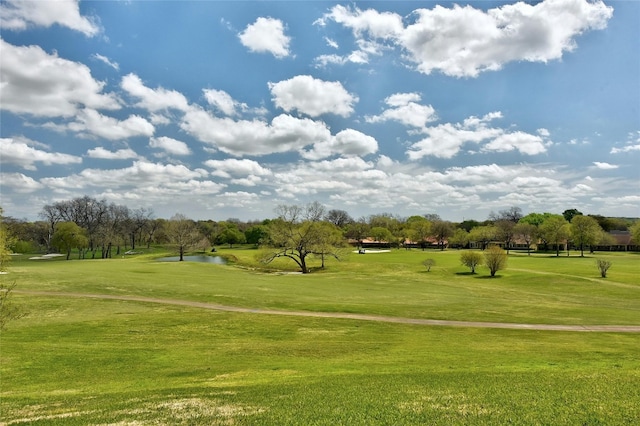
x=24, y=247
x=495, y=259
x=471, y=259
x=428, y=263
x=603, y=266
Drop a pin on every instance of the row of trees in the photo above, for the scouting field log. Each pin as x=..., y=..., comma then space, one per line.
x=99, y=229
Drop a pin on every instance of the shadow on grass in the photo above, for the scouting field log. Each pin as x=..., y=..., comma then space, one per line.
x=467, y=273
x=485, y=277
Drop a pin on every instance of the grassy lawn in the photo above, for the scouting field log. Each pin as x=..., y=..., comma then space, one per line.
x=89, y=361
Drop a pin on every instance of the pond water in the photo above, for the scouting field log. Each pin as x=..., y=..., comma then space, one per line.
x=198, y=258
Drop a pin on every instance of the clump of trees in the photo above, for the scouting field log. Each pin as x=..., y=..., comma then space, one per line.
x=493, y=258
x=104, y=226
x=68, y=236
x=107, y=229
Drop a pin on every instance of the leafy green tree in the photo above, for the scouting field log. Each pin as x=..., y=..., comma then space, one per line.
x=527, y=233
x=419, y=230
x=585, y=231
x=459, y=238
x=330, y=242
x=6, y=241
x=381, y=234
x=257, y=235
x=505, y=231
x=358, y=231
x=555, y=230
x=607, y=223
x=68, y=236
x=231, y=236
x=635, y=232
x=392, y=223
x=495, y=259
x=469, y=224
x=570, y=214
x=483, y=235
x=471, y=259
x=535, y=219
x=441, y=230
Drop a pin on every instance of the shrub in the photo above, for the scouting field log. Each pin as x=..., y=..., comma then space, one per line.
x=24, y=247
x=428, y=263
x=471, y=259
x=603, y=266
x=495, y=259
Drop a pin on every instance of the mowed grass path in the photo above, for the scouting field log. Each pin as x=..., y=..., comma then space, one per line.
x=88, y=361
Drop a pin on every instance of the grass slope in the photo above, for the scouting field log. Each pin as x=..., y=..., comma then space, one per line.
x=86, y=361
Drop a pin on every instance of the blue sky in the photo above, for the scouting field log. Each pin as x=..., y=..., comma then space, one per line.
x=219, y=109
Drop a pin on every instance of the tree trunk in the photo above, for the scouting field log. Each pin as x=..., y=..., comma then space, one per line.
x=303, y=265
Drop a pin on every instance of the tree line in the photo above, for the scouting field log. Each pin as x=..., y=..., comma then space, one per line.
x=98, y=229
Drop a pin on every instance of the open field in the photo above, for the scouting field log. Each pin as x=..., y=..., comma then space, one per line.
x=76, y=360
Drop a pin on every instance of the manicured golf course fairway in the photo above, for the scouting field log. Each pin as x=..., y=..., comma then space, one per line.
x=138, y=342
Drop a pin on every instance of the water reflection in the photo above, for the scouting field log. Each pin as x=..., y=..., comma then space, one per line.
x=197, y=258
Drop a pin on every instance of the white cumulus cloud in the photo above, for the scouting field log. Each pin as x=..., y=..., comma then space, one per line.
x=20, y=152
x=254, y=137
x=41, y=84
x=347, y=142
x=446, y=140
x=170, y=145
x=90, y=122
x=223, y=101
x=463, y=41
x=524, y=142
x=405, y=109
x=22, y=14
x=266, y=35
x=105, y=154
x=238, y=168
x=605, y=166
x=20, y=183
x=153, y=99
x=312, y=96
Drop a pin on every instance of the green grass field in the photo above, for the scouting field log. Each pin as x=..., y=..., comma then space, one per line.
x=76, y=360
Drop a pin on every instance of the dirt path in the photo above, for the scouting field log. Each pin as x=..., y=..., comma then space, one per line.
x=360, y=317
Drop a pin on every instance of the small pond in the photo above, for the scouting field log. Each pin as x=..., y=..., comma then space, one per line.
x=198, y=258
